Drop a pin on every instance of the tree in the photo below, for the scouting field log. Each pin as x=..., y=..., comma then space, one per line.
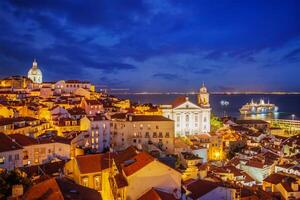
x=215, y=123
x=10, y=178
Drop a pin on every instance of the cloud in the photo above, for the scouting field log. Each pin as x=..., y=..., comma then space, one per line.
x=166, y=76
x=156, y=42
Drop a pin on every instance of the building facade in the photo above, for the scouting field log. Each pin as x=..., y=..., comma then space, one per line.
x=190, y=119
x=142, y=131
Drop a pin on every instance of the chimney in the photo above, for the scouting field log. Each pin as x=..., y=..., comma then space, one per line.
x=17, y=190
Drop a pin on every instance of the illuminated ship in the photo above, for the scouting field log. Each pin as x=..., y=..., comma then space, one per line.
x=258, y=108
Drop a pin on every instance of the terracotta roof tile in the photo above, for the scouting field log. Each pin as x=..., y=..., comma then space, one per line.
x=93, y=162
x=156, y=194
x=136, y=163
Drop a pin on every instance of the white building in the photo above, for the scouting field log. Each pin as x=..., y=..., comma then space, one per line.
x=96, y=135
x=35, y=74
x=18, y=150
x=190, y=118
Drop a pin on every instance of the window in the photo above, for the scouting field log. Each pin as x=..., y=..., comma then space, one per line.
x=160, y=135
x=97, y=183
x=85, y=182
x=9, y=158
x=146, y=134
x=154, y=134
x=196, y=118
x=178, y=118
x=157, y=127
x=187, y=118
x=167, y=134
x=2, y=159
x=16, y=156
x=43, y=151
x=204, y=119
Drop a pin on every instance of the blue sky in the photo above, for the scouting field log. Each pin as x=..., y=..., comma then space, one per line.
x=154, y=45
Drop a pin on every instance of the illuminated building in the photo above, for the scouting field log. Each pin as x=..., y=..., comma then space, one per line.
x=35, y=74
x=189, y=118
x=96, y=135
x=92, y=171
x=203, y=97
x=18, y=150
x=15, y=82
x=142, y=130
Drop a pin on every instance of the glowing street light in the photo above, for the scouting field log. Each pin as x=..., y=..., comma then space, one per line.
x=293, y=116
x=224, y=104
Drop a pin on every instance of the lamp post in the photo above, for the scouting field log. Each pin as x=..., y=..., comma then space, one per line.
x=293, y=118
x=224, y=104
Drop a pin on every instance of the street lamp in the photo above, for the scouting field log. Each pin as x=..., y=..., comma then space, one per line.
x=293, y=118
x=224, y=104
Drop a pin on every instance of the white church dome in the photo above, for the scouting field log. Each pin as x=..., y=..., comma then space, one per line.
x=35, y=74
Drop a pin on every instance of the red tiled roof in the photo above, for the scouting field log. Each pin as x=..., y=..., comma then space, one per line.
x=200, y=187
x=45, y=190
x=93, y=163
x=156, y=194
x=7, y=144
x=137, y=162
x=178, y=101
x=60, y=189
x=149, y=118
x=23, y=140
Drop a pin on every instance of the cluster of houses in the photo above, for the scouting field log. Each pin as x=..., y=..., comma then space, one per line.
x=73, y=142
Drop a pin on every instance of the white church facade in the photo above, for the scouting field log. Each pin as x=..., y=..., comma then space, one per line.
x=190, y=119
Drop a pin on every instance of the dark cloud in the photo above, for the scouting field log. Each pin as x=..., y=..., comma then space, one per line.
x=292, y=56
x=71, y=38
x=166, y=76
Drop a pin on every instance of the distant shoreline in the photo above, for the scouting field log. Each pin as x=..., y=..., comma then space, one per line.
x=214, y=93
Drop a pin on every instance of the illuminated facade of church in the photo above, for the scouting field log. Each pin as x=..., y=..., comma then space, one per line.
x=190, y=118
x=35, y=74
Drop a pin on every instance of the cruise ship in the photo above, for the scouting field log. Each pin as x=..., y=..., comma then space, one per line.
x=258, y=108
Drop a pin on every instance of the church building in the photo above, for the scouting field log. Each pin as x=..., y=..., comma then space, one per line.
x=35, y=74
x=190, y=118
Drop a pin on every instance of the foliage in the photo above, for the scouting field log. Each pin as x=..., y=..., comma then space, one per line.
x=215, y=123
x=10, y=178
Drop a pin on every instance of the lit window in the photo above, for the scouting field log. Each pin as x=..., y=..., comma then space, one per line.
x=2, y=159
x=97, y=183
x=85, y=182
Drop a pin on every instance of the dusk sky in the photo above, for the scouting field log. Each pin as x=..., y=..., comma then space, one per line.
x=155, y=45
